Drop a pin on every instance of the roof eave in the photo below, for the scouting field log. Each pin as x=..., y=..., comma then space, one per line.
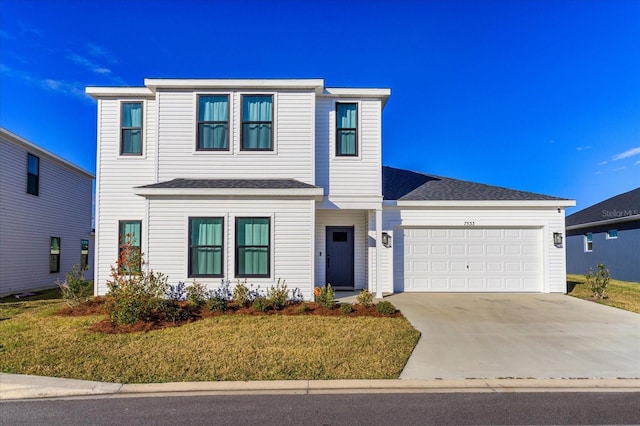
x=617, y=220
x=315, y=84
x=315, y=193
x=105, y=92
x=487, y=203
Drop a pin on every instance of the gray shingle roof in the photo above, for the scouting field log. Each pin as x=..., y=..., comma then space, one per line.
x=623, y=205
x=231, y=183
x=405, y=185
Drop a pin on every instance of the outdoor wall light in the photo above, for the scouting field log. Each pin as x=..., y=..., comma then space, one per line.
x=557, y=239
x=386, y=239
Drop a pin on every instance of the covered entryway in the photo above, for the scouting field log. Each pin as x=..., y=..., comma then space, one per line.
x=471, y=259
x=340, y=256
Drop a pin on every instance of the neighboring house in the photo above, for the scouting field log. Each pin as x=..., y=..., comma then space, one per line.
x=608, y=233
x=269, y=179
x=45, y=216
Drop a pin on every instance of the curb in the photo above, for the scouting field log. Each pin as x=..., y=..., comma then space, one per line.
x=14, y=386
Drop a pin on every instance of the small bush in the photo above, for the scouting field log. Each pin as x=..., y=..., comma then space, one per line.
x=262, y=304
x=223, y=292
x=75, y=288
x=296, y=295
x=325, y=296
x=176, y=292
x=365, y=298
x=197, y=294
x=599, y=281
x=241, y=294
x=216, y=304
x=303, y=308
x=346, y=308
x=278, y=295
x=385, y=308
x=171, y=311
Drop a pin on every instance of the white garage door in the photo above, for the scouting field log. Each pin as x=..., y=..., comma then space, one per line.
x=472, y=259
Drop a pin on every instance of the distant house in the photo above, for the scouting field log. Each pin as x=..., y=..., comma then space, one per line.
x=609, y=233
x=267, y=179
x=45, y=216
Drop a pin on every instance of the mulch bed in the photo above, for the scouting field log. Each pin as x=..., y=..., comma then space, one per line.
x=95, y=306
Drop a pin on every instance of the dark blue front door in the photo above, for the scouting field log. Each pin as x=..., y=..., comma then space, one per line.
x=339, y=259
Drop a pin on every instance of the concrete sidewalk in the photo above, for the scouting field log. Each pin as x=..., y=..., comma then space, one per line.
x=16, y=386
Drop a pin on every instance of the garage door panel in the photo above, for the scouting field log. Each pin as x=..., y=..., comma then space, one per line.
x=479, y=259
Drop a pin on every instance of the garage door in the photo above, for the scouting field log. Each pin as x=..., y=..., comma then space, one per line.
x=472, y=259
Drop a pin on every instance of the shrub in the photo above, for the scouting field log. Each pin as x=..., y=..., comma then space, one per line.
x=171, y=311
x=296, y=295
x=134, y=294
x=365, y=298
x=262, y=304
x=241, y=294
x=325, y=296
x=223, y=292
x=599, y=281
x=346, y=308
x=385, y=308
x=75, y=288
x=197, y=294
x=176, y=292
x=216, y=304
x=278, y=295
x=303, y=308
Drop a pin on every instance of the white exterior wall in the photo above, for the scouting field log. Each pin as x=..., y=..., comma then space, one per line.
x=549, y=220
x=359, y=176
x=61, y=209
x=166, y=240
x=355, y=218
x=117, y=175
x=293, y=136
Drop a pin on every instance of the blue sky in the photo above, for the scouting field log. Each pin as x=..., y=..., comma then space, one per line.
x=542, y=96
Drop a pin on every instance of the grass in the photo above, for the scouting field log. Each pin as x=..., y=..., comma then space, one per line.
x=34, y=340
x=622, y=294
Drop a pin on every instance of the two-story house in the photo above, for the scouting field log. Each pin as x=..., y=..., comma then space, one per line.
x=268, y=179
x=45, y=217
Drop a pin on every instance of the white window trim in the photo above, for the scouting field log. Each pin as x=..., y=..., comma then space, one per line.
x=143, y=154
x=232, y=129
x=237, y=148
x=610, y=237
x=586, y=242
x=231, y=244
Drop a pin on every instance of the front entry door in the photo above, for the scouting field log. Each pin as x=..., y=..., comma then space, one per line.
x=339, y=259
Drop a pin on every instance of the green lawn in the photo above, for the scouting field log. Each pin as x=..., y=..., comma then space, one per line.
x=622, y=294
x=34, y=340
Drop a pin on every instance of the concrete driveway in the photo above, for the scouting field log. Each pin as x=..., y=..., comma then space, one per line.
x=518, y=336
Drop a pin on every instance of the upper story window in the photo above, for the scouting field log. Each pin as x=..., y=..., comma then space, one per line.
x=213, y=123
x=33, y=174
x=84, y=254
x=131, y=132
x=252, y=247
x=612, y=234
x=257, y=123
x=205, y=246
x=588, y=241
x=346, y=129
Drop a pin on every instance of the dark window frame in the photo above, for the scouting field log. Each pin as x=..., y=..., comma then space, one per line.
x=121, y=243
x=128, y=128
x=200, y=123
x=243, y=122
x=339, y=130
x=33, y=180
x=54, y=267
x=238, y=247
x=192, y=246
x=84, y=257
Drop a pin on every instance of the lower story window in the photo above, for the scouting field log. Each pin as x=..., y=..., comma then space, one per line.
x=588, y=241
x=84, y=254
x=54, y=254
x=253, y=247
x=129, y=248
x=205, y=246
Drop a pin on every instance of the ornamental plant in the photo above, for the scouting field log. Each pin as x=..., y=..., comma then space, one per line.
x=599, y=281
x=385, y=307
x=365, y=298
x=325, y=296
x=134, y=295
x=197, y=294
x=278, y=295
x=75, y=288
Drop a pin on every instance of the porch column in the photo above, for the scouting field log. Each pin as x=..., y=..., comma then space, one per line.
x=378, y=253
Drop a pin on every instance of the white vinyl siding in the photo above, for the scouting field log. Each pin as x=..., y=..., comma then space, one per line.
x=62, y=209
x=349, y=175
x=291, y=158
